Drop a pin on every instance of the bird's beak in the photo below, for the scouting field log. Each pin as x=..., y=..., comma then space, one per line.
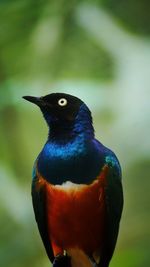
x=36, y=100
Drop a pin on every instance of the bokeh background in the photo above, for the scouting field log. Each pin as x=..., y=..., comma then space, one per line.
x=100, y=52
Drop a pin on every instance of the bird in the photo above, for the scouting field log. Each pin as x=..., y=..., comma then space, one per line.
x=77, y=190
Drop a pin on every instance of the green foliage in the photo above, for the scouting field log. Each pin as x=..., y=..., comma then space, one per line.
x=43, y=39
x=134, y=14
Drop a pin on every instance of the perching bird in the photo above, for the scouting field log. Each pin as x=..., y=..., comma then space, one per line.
x=76, y=188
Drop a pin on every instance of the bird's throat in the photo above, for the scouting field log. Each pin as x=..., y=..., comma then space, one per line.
x=67, y=130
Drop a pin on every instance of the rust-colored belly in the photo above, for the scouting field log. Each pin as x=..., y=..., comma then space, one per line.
x=76, y=215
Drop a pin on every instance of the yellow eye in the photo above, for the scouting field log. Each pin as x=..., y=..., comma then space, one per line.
x=62, y=102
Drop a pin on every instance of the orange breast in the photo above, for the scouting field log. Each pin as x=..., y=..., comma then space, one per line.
x=76, y=215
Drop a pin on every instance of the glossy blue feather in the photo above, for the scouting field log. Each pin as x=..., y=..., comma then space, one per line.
x=78, y=160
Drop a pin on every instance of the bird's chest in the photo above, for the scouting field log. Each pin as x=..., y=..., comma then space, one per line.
x=76, y=213
x=73, y=162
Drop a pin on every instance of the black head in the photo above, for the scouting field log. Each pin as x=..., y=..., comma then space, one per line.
x=65, y=114
x=57, y=107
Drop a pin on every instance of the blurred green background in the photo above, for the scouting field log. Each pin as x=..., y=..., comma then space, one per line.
x=100, y=52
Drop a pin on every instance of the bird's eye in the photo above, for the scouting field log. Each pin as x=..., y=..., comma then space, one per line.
x=62, y=102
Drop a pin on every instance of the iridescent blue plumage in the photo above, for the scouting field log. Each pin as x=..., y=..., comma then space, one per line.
x=81, y=157
x=72, y=153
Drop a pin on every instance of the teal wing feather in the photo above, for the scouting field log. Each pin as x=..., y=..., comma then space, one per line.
x=39, y=206
x=114, y=205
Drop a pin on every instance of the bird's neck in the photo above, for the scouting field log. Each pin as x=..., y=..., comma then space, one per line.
x=81, y=127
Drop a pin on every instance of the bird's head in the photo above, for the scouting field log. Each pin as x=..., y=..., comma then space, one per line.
x=63, y=113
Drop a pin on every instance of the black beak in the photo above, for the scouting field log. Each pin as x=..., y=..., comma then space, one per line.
x=36, y=100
